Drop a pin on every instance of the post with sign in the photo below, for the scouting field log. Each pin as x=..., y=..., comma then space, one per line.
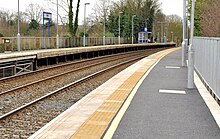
x=48, y=17
x=18, y=35
x=146, y=35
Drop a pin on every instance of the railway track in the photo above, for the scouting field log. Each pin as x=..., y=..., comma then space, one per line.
x=23, y=121
x=24, y=94
x=19, y=80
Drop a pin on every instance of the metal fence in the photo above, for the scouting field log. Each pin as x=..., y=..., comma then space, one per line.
x=36, y=43
x=207, y=62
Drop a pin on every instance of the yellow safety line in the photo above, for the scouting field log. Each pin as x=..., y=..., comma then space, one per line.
x=111, y=130
x=98, y=122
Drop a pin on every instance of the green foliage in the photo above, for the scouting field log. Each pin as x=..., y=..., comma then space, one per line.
x=109, y=34
x=33, y=25
x=73, y=26
x=76, y=19
x=1, y=35
x=112, y=24
x=82, y=34
x=198, y=16
x=126, y=24
x=144, y=10
x=11, y=22
x=199, y=7
x=71, y=18
x=47, y=24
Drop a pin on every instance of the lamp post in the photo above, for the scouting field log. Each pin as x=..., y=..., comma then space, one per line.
x=158, y=37
x=190, y=84
x=146, y=22
x=104, y=27
x=57, y=37
x=119, y=28
x=146, y=30
x=84, y=36
x=171, y=36
x=184, y=43
x=187, y=31
x=18, y=35
x=162, y=31
x=153, y=32
x=133, y=28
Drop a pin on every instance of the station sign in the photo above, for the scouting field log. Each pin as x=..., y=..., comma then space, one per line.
x=47, y=15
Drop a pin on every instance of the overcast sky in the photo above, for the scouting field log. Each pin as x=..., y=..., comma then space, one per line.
x=168, y=6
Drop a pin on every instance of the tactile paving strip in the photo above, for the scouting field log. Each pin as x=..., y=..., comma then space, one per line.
x=92, y=115
x=97, y=124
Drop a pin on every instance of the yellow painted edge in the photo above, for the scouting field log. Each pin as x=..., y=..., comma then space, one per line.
x=159, y=56
x=112, y=128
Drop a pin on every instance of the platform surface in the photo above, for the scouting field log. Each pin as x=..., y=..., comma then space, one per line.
x=95, y=111
x=45, y=53
x=151, y=114
x=16, y=56
x=159, y=112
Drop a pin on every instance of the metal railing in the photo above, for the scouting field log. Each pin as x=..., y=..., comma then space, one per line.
x=207, y=62
x=15, y=69
x=36, y=43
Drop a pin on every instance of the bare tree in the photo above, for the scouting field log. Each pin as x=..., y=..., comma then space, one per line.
x=75, y=26
x=8, y=22
x=100, y=11
x=34, y=11
x=67, y=7
x=63, y=5
x=174, y=25
x=211, y=19
x=63, y=8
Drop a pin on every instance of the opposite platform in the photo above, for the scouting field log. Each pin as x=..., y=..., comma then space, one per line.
x=16, y=63
x=45, y=53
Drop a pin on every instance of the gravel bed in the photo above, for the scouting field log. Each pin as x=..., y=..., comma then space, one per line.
x=20, y=97
x=28, y=121
x=9, y=84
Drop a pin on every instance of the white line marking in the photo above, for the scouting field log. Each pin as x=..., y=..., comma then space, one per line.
x=172, y=67
x=113, y=126
x=172, y=91
x=110, y=132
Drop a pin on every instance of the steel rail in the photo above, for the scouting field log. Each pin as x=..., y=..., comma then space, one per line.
x=59, y=75
x=68, y=86
x=65, y=64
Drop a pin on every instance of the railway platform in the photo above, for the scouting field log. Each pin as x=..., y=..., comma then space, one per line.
x=14, y=63
x=147, y=100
